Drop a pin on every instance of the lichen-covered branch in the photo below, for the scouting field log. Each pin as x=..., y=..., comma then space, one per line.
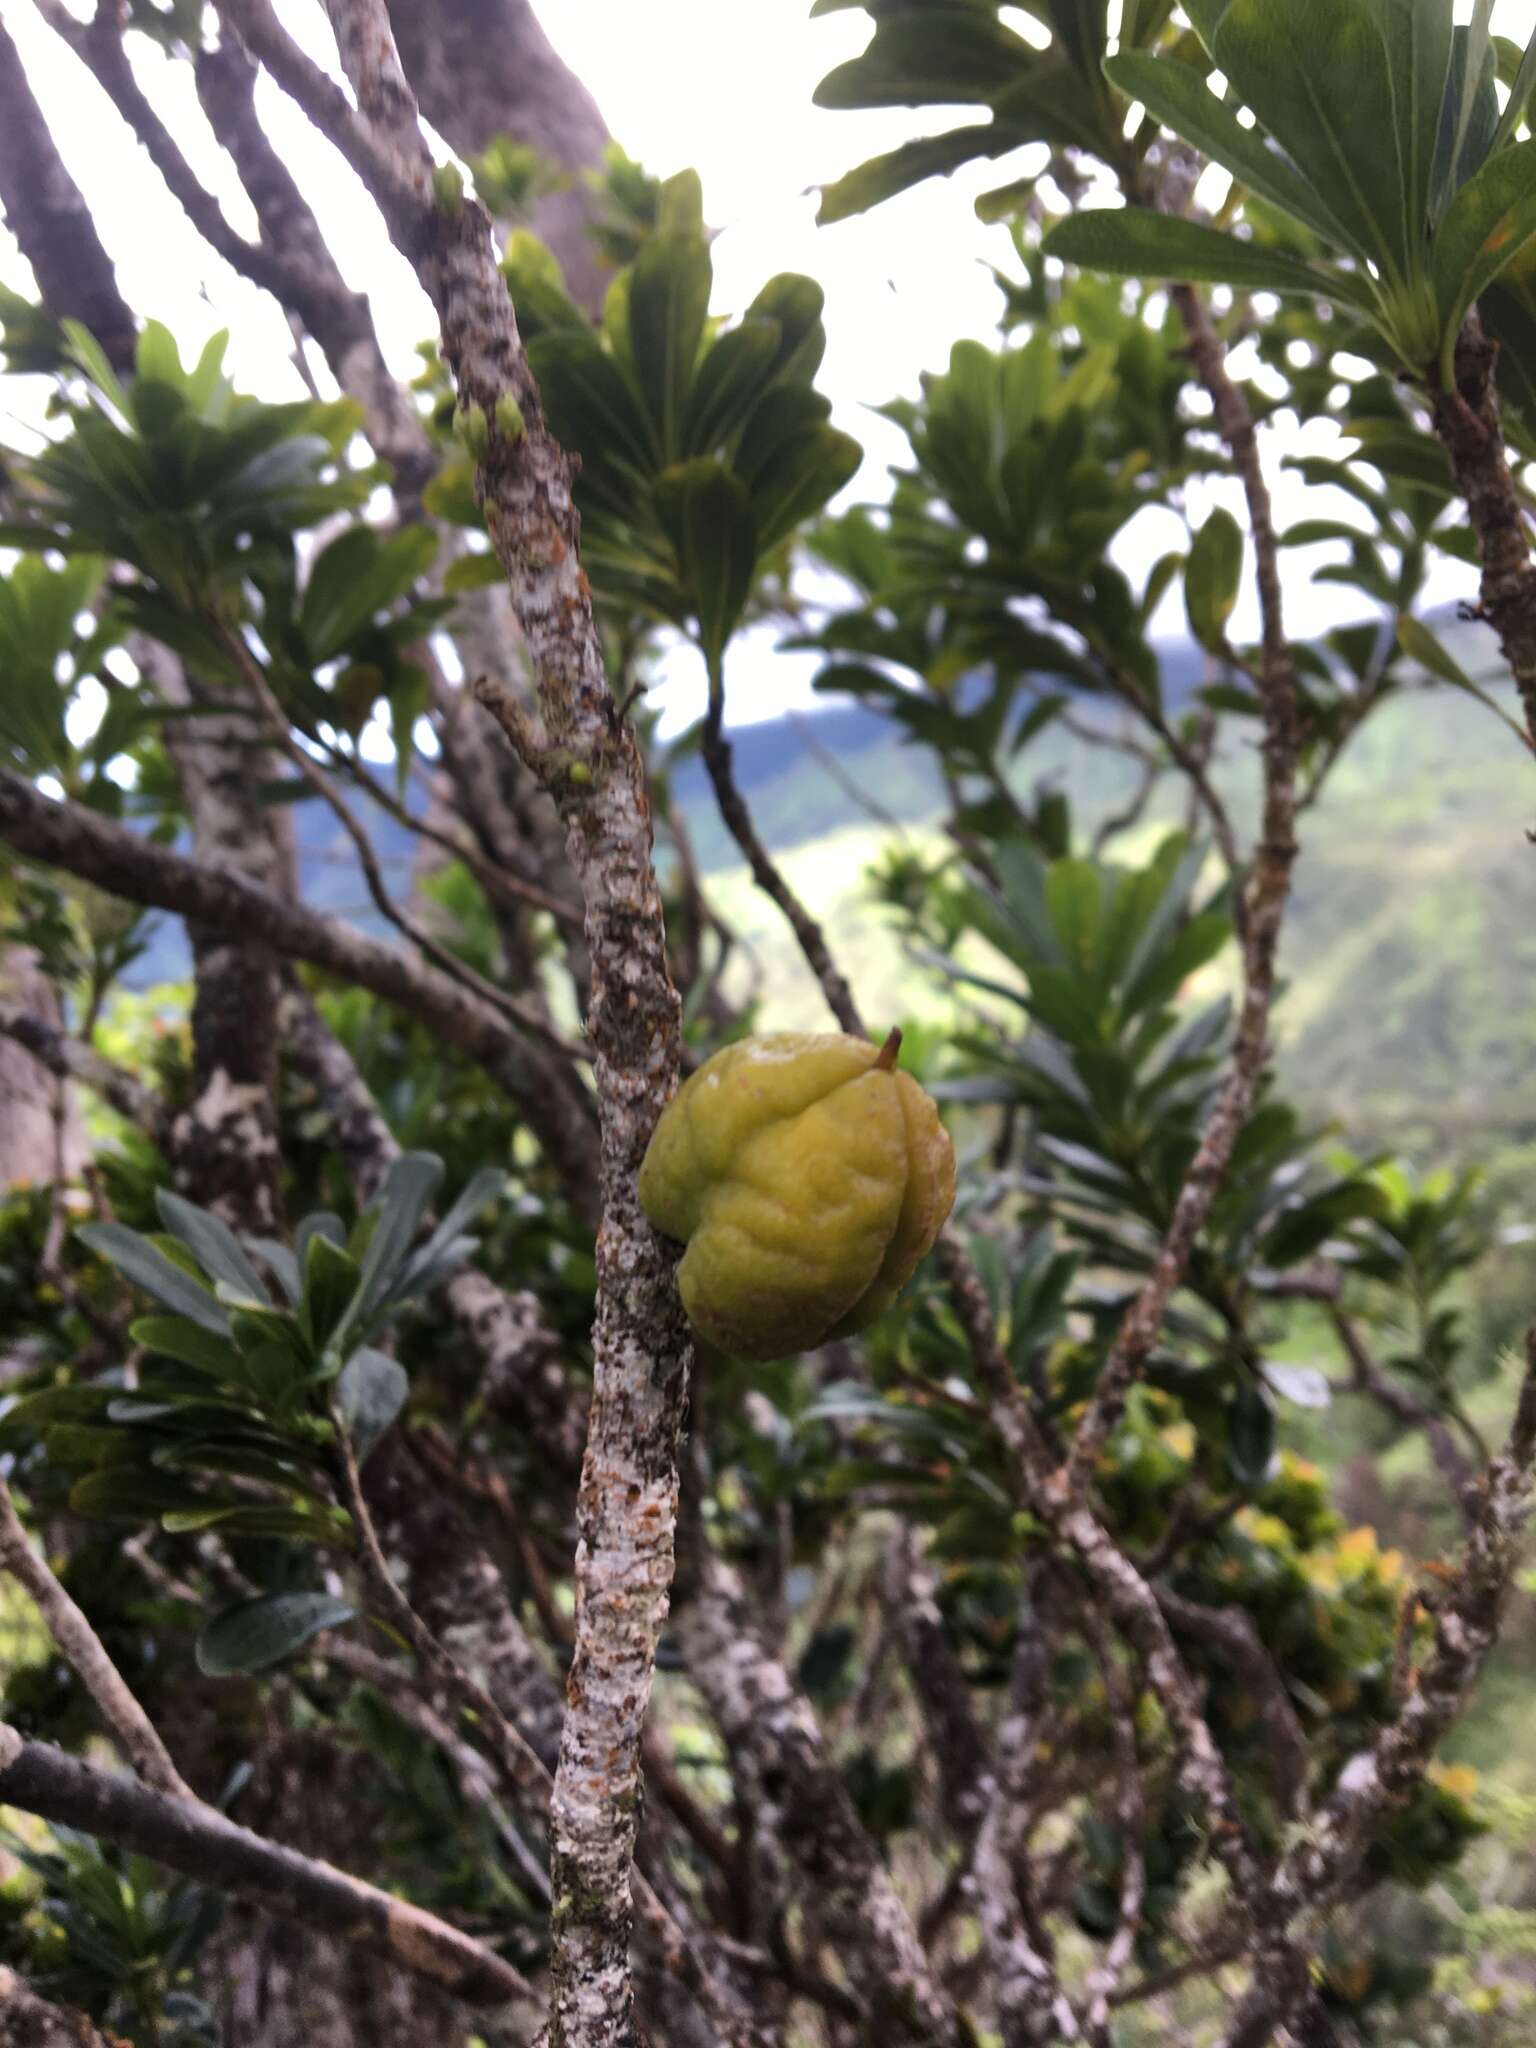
x=589, y=762
x=73, y=1060
x=1468, y=421
x=198, y=1841
x=1406, y=1407
x=1264, y=899
x=775, y=1742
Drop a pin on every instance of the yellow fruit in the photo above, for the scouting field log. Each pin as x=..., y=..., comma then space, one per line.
x=807, y=1177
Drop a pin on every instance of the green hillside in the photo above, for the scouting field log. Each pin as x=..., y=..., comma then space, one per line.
x=1410, y=959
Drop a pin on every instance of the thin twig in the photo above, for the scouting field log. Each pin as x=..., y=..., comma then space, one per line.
x=527, y=1015
x=1265, y=897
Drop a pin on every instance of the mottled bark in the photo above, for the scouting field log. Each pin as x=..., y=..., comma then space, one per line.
x=483, y=68
x=1468, y=421
x=776, y=1747
x=31, y=1025
x=956, y=1739
x=224, y=1144
x=588, y=759
x=35, y=1058
x=309, y=281
x=27, y=2021
x=461, y=1596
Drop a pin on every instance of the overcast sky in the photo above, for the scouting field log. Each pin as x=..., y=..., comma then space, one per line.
x=723, y=85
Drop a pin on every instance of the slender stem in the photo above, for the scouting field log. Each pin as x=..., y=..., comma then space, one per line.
x=1265, y=896
x=719, y=760
x=525, y=1014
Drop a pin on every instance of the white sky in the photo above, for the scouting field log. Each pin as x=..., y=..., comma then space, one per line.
x=723, y=85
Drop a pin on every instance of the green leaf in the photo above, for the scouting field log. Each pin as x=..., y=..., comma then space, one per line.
x=1519, y=98
x=402, y=1202
x=123, y=1495
x=1420, y=645
x=929, y=56
x=483, y=1187
x=797, y=482
x=668, y=305
x=153, y=1273
x=1418, y=37
x=1133, y=241
x=707, y=515
x=370, y=1393
x=729, y=382
x=1176, y=94
x=213, y=1244
x=331, y=1281
x=1250, y=1435
x=259, y=1633
x=1470, y=116
x=593, y=409
x=537, y=287
x=1342, y=86
x=92, y=358
x=187, y=1342
x=1212, y=577
x=929, y=156
x=473, y=572
x=1075, y=901
x=1488, y=223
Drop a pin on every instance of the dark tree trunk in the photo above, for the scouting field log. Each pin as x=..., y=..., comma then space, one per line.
x=48, y=216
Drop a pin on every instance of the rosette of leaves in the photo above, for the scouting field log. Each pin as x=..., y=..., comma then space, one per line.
x=116, y=1937
x=1027, y=461
x=203, y=493
x=702, y=448
x=965, y=53
x=1118, y=1071
x=1376, y=127
x=179, y=476
x=255, y=1354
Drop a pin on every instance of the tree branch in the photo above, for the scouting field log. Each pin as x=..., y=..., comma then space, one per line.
x=1264, y=896
x=1405, y=1406
x=773, y=1738
x=51, y=221
x=767, y=874
x=69, y=836
x=201, y=1843
x=83, y=1648
x=71, y=1059
x=1468, y=421
x=627, y=1503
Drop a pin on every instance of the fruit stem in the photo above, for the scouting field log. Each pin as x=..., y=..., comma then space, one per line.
x=886, y=1060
